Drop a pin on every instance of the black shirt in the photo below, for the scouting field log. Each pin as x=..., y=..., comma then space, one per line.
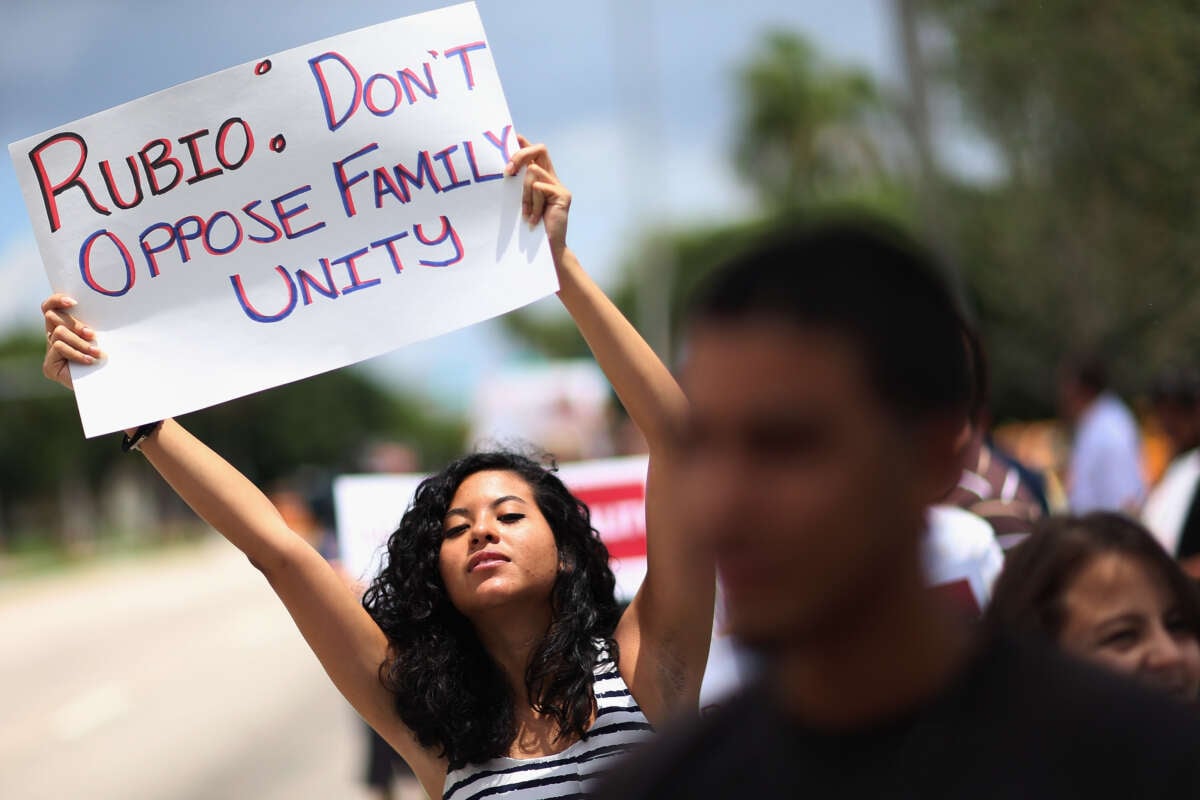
x=1019, y=721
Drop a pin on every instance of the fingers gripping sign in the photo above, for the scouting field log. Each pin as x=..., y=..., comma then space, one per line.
x=68, y=341
x=543, y=196
x=551, y=203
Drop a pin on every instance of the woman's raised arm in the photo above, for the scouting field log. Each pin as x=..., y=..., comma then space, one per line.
x=664, y=635
x=348, y=643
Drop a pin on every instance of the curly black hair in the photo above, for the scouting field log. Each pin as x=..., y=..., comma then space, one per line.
x=447, y=688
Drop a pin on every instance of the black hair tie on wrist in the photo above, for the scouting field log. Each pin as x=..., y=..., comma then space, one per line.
x=130, y=443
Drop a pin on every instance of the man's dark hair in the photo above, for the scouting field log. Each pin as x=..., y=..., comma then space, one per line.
x=447, y=688
x=980, y=375
x=865, y=281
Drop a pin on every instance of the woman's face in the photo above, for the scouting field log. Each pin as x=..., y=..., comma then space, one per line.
x=1120, y=616
x=498, y=548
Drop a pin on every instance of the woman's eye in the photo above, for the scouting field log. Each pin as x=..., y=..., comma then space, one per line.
x=1120, y=638
x=450, y=533
x=509, y=519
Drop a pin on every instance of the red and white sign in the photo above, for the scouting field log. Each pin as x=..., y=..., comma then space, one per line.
x=369, y=508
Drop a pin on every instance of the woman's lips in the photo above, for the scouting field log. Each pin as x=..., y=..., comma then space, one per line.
x=486, y=558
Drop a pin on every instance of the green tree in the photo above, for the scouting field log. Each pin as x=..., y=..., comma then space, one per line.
x=41, y=441
x=325, y=421
x=1090, y=241
x=802, y=138
x=804, y=143
x=321, y=423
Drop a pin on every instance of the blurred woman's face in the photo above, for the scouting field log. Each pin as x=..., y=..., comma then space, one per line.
x=1118, y=614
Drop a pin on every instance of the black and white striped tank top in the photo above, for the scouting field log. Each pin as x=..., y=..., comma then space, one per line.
x=619, y=725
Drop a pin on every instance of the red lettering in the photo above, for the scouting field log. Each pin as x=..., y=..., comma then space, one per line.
x=51, y=189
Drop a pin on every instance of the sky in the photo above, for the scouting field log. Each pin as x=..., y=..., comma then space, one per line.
x=636, y=99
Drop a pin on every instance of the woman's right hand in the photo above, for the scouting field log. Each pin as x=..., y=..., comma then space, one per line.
x=68, y=341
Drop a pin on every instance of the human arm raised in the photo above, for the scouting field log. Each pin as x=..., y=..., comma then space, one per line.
x=646, y=387
x=664, y=635
x=348, y=643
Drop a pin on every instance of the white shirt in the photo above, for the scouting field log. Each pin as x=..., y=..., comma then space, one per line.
x=1106, y=470
x=960, y=546
x=1167, y=505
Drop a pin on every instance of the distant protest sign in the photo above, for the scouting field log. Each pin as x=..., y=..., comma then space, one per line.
x=285, y=217
x=369, y=508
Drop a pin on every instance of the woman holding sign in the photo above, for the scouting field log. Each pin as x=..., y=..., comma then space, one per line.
x=489, y=652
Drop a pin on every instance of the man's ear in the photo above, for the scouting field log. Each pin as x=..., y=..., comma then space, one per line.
x=942, y=446
x=962, y=442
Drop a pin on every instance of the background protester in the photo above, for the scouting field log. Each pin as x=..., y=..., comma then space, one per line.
x=994, y=485
x=1103, y=589
x=1105, y=471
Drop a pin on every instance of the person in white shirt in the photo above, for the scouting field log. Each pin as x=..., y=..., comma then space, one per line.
x=1105, y=472
x=1168, y=512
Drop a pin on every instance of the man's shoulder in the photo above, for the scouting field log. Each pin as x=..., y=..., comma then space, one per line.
x=1020, y=718
x=1061, y=695
x=1073, y=726
x=687, y=756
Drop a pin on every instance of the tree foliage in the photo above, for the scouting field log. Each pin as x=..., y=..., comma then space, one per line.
x=1091, y=240
x=40, y=436
x=802, y=137
x=323, y=423
x=805, y=144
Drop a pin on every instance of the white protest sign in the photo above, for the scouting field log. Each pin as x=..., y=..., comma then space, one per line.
x=285, y=217
x=368, y=509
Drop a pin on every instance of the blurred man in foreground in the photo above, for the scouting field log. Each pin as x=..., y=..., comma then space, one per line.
x=828, y=386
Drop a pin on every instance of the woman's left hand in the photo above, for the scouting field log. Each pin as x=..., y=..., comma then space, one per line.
x=543, y=197
x=68, y=341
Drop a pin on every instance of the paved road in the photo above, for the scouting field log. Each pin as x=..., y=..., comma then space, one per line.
x=170, y=677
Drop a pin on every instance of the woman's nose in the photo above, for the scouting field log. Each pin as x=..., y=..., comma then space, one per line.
x=482, y=533
x=1163, y=651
